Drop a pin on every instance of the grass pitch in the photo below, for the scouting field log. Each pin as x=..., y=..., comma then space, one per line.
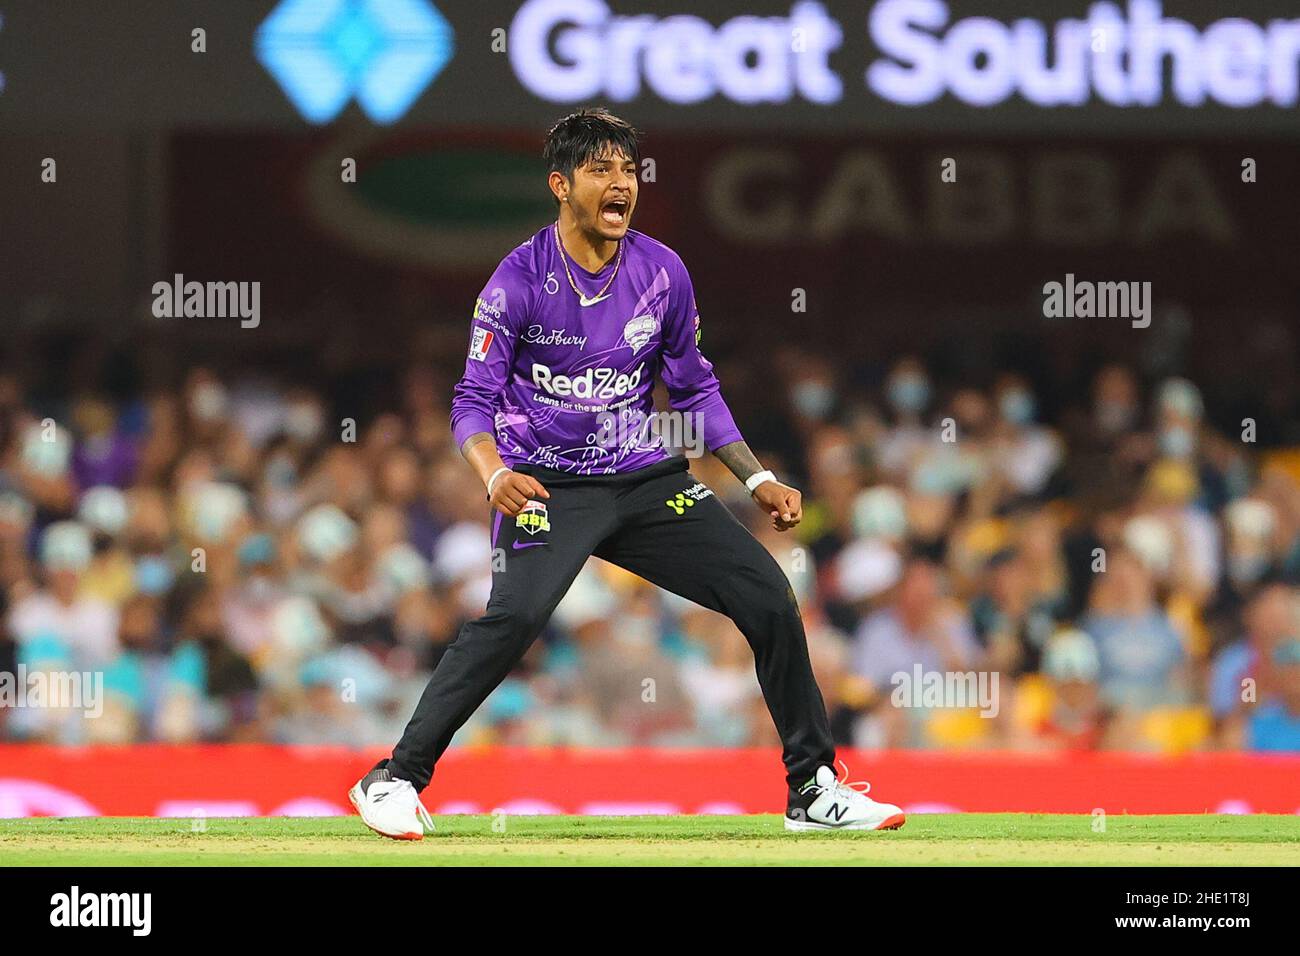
x=928, y=840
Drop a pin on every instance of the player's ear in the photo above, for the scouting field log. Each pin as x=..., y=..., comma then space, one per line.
x=560, y=185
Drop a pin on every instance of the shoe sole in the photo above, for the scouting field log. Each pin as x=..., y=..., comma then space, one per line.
x=356, y=805
x=894, y=822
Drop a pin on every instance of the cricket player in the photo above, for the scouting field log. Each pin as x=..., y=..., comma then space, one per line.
x=569, y=335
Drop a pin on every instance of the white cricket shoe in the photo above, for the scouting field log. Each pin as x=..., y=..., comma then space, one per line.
x=390, y=807
x=828, y=802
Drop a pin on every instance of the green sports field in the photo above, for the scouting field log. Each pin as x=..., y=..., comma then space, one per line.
x=927, y=840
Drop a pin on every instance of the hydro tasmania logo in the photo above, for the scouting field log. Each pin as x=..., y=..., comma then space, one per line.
x=383, y=53
x=686, y=499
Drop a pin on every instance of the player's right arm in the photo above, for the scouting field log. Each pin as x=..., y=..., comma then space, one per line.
x=507, y=490
x=498, y=316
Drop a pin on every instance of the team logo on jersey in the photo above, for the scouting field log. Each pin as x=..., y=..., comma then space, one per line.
x=480, y=343
x=533, y=519
x=637, y=332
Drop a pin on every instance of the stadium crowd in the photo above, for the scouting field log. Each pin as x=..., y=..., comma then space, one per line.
x=242, y=561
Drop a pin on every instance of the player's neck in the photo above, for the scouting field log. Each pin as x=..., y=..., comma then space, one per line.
x=592, y=252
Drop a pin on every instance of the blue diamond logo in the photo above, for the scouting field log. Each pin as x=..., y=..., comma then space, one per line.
x=382, y=53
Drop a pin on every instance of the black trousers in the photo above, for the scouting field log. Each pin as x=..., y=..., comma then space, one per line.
x=662, y=525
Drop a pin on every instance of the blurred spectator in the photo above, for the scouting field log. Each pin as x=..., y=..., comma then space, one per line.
x=1275, y=725
x=1142, y=656
x=1064, y=709
x=59, y=620
x=919, y=626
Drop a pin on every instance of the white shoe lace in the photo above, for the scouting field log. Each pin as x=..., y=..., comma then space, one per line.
x=842, y=788
x=407, y=791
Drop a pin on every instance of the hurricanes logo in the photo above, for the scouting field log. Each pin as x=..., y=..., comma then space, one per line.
x=637, y=332
x=686, y=499
x=533, y=518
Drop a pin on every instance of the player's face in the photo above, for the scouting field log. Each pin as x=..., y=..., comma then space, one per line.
x=604, y=194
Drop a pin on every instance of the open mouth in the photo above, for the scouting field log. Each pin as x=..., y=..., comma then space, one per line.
x=615, y=212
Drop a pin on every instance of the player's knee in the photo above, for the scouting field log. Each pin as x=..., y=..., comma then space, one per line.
x=513, y=623
x=770, y=606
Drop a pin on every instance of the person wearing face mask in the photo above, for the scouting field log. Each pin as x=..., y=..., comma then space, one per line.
x=1178, y=416
x=207, y=403
x=1115, y=403
x=907, y=394
x=813, y=397
x=1182, y=435
x=908, y=390
x=304, y=419
x=248, y=609
x=1026, y=454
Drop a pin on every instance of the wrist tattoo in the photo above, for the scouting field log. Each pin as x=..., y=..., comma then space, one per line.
x=740, y=461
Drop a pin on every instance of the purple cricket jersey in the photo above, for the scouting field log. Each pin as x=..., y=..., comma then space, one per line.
x=551, y=375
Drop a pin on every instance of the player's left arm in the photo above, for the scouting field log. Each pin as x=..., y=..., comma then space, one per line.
x=693, y=389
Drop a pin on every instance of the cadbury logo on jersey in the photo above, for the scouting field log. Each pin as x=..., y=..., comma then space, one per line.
x=594, y=383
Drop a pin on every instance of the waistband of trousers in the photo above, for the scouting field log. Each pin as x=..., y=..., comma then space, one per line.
x=562, y=479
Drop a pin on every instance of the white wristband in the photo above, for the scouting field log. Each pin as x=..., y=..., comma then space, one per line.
x=754, y=480
x=495, y=475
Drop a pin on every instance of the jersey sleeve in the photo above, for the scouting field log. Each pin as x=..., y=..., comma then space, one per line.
x=687, y=374
x=499, y=312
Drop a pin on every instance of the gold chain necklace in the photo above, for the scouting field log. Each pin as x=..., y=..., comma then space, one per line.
x=618, y=260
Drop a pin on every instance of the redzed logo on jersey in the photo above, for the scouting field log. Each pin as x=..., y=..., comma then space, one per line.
x=479, y=345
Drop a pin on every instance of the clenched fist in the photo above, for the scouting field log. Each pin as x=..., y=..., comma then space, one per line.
x=783, y=503
x=511, y=491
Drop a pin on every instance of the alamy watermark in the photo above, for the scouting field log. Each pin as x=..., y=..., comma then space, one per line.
x=75, y=908
x=956, y=689
x=208, y=300
x=53, y=690
x=632, y=428
x=1101, y=300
